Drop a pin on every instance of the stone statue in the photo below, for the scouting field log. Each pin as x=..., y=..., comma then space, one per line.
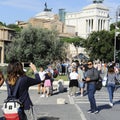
x=98, y=1
x=45, y=5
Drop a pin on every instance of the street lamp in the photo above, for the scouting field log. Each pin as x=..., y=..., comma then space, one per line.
x=117, y=15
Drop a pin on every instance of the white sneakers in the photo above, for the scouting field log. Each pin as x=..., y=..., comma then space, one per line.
x=81, y=95
x=93, y=112
x=111, y=104
x=43, y=95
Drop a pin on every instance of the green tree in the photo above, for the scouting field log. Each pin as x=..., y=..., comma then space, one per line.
x=112, y=26
x=14, y=27
x=77, y=41
x=39, y=46
x=2, y=24
x=100, y=45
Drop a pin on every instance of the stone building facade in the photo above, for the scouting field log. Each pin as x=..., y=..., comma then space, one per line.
x=47, y=19
x=94, y=17
x=6, y=35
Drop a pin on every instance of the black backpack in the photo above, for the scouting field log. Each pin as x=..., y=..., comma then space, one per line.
x=55, y=73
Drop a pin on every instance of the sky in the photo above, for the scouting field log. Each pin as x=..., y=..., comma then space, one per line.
x=22, y=10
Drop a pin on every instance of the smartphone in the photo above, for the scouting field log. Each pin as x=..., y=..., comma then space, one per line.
x=27, y=64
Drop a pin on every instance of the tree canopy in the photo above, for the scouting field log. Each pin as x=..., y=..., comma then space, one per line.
x=2, y=24
x=100, y=45
x=15, y=27
x=77, y=41
x=40, y=46
x=112, y=26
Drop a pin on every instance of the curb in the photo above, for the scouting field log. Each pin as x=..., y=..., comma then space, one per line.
x=55, y=83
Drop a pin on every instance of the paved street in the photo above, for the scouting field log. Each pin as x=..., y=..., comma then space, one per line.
x=105, y=111
x=74, y=108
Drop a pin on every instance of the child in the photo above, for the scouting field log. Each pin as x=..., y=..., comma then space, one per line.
x=47, y=84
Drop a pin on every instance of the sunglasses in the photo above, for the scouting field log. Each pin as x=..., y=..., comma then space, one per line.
x=89, y=63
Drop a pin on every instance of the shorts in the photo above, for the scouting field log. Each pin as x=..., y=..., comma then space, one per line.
x=47, y=83
x=81, y=84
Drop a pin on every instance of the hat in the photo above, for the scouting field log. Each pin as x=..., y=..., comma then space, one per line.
x=49, y=65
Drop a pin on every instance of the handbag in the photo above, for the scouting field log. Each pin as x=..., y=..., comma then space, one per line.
x=104, y=81
x=117, y=82
x=98, y=84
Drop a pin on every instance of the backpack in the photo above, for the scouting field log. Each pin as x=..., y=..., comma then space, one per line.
x=55, y=73
x=12, y=108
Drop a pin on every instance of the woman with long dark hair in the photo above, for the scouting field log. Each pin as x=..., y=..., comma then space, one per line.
x=111, y=79
x=14, y=72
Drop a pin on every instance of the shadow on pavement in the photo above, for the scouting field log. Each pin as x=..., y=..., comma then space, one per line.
x=48, y=118
x=41, y=118
x=117, y=102
x=117, y=87
x=102, y=107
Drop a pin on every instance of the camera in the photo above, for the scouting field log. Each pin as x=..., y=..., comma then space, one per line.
x=83, y=79
x=27, y=64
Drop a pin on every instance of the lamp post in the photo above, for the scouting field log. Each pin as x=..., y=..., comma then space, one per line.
x=117, y=14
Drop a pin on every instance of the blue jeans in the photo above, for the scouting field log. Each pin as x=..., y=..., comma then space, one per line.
x=91, y=92
x=111, y=89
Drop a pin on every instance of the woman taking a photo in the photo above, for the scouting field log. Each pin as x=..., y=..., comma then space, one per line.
x=15, y=72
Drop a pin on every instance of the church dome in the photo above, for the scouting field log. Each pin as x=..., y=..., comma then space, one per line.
x=95, y=6
x=48, y=15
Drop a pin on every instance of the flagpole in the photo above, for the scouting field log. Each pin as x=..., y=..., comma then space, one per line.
x=115, y=37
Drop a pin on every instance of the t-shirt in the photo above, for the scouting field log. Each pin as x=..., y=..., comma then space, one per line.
x=42, y=75
x=73, y=75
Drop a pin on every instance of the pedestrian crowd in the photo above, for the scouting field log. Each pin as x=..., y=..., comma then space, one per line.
x=83, y=80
